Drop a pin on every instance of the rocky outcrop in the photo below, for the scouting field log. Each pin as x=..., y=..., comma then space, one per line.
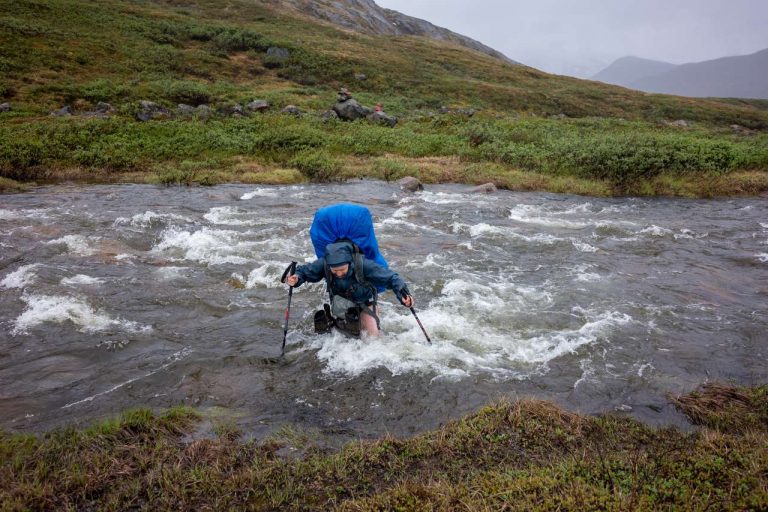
x=367, y=17
x=350, y=110
x=149, y=110
x=410, y=184
x=257, y=106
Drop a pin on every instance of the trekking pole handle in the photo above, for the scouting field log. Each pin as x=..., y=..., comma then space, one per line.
x=290, y=270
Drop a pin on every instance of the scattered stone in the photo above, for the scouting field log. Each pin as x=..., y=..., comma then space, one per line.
x=680, y=123
x=65, y=111
x=329, y=115
x=469, y=112
x=203, y=111
x=410, y=184
x=351, y=110
x=557, y=116
x=185, y=110
x=5, y=107
x=292, y=110
x=237, y=110
x=257, y=106
x=382, y=118
x=103, y=107
x=485, y=188
x=361, y=77
x=152, y=111
x=278, y=52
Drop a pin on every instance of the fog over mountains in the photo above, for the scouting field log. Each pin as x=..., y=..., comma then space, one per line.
x=744, y=76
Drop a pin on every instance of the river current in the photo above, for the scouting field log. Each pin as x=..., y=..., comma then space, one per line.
x=119, y=296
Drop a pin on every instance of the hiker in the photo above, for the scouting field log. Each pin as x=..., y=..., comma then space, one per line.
x=352, y=281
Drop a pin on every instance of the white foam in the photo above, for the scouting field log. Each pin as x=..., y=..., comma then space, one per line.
x=211, y=246
x=60, y=308
x=763, y=257
x=655, y=230
x=530, y=214
x=149, y=219
x=21, y=277
x=81, y=279
x=583, y=247
x=170, y=273
x=8, y=214
x=266, y=276
x=229, y=216
x=487, y=230
x=260, y=192
x=76, y=244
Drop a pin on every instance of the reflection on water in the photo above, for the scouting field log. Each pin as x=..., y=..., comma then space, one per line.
x=119, y=296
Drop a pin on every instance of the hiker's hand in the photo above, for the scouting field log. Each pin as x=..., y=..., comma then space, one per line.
x=292, y=280
x=408, y=301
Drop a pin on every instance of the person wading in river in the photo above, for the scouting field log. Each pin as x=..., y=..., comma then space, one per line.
x=352, y=281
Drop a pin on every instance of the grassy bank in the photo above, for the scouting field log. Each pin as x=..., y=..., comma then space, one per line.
x=527, y=455
x=534, y=131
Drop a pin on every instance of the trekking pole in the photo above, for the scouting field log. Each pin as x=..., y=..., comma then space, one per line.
x=288, y=271
x=422, y=327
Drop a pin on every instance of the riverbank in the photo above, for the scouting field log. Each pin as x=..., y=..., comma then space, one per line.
x=522, y=455
x=594, y=157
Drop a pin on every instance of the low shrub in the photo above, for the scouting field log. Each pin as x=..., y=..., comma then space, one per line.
x=316, y=165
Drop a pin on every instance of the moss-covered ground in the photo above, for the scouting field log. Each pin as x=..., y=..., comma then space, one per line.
x=526, y=455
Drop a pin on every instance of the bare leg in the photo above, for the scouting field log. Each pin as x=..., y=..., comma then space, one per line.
x=368, y=323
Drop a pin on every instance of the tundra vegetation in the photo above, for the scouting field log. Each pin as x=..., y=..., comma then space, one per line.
x=526, y=455
x=532, y=131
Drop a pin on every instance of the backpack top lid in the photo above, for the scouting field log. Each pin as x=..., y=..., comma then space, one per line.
x=350, y=221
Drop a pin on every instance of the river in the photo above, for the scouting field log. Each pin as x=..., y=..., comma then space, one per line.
x=120, y=296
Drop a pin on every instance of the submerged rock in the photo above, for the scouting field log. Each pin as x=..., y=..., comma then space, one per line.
x=410, y=184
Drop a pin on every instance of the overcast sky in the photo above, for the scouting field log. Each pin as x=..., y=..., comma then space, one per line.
x=580, y=37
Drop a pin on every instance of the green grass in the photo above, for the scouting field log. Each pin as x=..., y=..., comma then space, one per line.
x=526, y=455
x=80, y=52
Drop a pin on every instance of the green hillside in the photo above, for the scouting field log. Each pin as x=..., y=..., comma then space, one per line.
x=533, y=131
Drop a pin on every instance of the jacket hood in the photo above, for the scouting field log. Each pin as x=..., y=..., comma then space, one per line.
x=338, y=254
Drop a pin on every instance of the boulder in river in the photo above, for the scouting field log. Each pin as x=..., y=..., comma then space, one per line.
x=149, y=110
x=485, y=188
x=410, y=184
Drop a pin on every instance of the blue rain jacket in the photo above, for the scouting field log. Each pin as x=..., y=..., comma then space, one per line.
x=348, y=286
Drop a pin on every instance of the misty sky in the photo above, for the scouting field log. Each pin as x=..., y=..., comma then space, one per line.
x=581, y=37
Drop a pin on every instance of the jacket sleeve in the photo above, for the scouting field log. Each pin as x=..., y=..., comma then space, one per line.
x=311, y=272
x=382, y=276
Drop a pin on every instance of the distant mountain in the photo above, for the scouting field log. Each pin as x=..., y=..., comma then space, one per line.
x=366, y=16
x=627, y=70
x=744, y=76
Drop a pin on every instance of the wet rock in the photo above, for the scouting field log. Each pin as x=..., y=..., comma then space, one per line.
x=350, y=110
x=257, y=106
x=292, y=110
x=150, y=110
x=65, y=111
x=410, y=184
x=5, y=107
x=383, y=119
x=485, y=188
